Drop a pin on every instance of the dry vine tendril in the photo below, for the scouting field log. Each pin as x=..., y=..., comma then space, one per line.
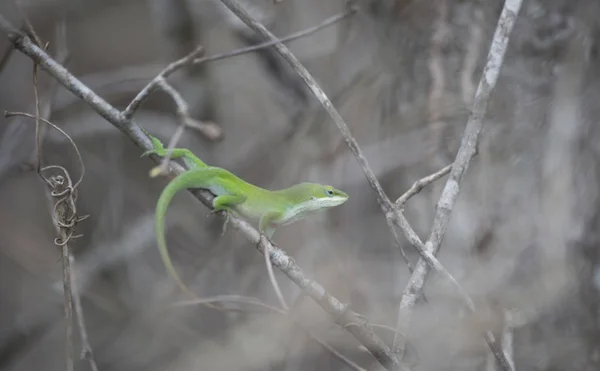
x=62, y=189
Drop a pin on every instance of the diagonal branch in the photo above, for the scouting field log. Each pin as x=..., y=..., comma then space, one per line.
x=357, y=325
x=467, y=150
x=391, y=213
x=193, y=58
x=314, y=87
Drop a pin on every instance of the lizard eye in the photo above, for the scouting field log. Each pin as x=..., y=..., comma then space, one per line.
x=329, y=192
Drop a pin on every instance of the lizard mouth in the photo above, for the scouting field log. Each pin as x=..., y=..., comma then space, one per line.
x=321, y=203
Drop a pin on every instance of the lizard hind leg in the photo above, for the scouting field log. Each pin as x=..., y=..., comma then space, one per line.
x=191, y=160
x=224, y=203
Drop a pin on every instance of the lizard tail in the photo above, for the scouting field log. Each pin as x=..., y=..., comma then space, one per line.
x=182, y=181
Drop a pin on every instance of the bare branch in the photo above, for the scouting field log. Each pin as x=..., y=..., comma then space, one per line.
x=249, y=49
x=420, y=184
x=86, y=349
x=12, y=114
x=314, y=87
x=68, y=298
x=192, y=58
x=145, y=92
x=341, y=314
x=339, y=311
x=463, y=158
x=210, y=130
x=390, y=362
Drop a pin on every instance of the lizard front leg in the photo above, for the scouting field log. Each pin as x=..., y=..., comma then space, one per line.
x=266, y=225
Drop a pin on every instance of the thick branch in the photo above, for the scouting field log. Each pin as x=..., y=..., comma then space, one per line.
x=353, y=323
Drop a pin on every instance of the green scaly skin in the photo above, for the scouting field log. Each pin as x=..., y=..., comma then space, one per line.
x=233, y=195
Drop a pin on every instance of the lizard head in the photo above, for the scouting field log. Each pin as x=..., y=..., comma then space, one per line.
x=326, y=196
x=309, y=198
x=314, y=196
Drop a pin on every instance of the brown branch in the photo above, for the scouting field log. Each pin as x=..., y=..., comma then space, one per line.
x=463, y=158
x=390, y=361
x=340, y=313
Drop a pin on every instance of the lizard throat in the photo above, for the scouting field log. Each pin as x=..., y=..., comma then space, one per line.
x=309, y=207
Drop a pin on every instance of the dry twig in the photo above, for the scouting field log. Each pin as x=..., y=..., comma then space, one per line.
x=209, y=129
x=450, y=192
x=65, y=218
x=465, y=153
x=420, y=184
x=192, y=58
x=87, y=352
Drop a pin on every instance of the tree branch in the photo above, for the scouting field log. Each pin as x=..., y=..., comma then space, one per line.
x=420, y=184
x=357, y=325
x=314, y=87
x=465, y=153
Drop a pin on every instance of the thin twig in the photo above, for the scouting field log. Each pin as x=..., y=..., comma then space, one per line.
x=86, y=349
x=296, y=35
x=11, y=114
x=192, y=58
x=63, y=235
x=64, y=190
x=465, y=153
x=420, y=184
x=363, y=333
x=61, y=208
x=145, y=92
x=209, y=129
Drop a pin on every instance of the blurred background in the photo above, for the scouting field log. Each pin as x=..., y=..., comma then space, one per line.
x=523, y=236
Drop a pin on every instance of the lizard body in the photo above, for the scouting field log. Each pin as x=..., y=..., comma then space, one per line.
x=232, y=194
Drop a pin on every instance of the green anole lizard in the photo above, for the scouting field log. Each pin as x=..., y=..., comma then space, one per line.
x=269, y=208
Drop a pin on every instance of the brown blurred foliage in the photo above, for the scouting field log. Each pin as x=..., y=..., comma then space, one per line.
x=402, y=73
